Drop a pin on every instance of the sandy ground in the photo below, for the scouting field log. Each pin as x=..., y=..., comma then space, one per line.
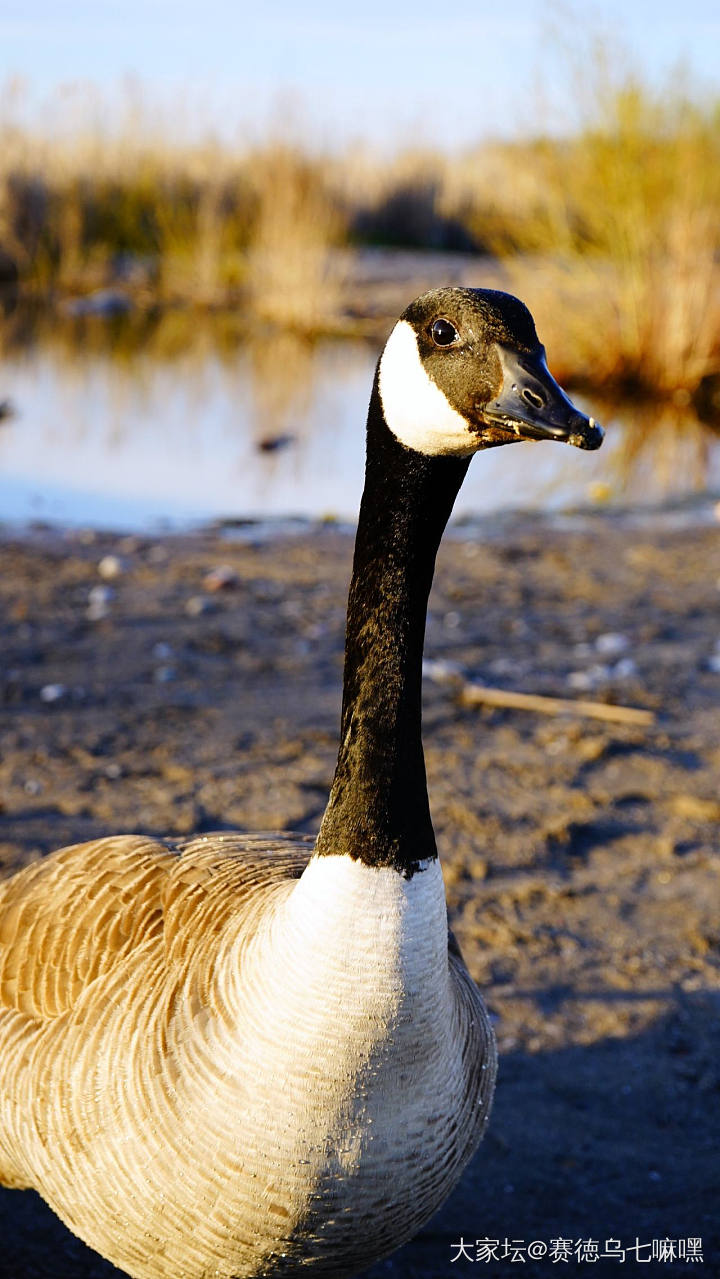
x=582, y=860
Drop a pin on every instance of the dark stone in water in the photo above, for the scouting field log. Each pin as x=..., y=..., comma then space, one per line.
x=274, y=443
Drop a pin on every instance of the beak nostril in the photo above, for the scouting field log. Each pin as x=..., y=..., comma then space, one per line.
x=530, y=397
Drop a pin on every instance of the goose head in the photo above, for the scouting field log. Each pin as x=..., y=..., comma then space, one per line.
x=464, y=370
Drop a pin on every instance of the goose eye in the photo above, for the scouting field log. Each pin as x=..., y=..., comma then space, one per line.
x=443, y=333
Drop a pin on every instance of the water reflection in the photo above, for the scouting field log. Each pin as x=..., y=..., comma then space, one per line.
x=140, y=418
x=181, y=430
x=665, y=449
x=282, y=374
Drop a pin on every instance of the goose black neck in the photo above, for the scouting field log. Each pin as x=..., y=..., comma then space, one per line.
x=378, y=810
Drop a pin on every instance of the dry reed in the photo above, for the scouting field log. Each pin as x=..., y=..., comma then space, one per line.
x=623, y=230
x=611, y=235
x=293, y=277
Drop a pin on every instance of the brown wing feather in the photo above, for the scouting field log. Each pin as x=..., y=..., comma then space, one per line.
x=70, y=919
x=67, y=920
x=221, y=878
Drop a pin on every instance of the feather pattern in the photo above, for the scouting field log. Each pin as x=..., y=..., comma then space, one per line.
x=201, y=1061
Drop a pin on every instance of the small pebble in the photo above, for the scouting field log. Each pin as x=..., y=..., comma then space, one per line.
x=110, y=566
x=162, y=651
x=625, y=668
x=714, y=663
x=52, y=692
x=164, y=674
x=198, y=604
x=99, y=602
x=452, y=621
x=113, y=771
x=583, y=681
x=611, y=643
x=440, y=671
x=32, y=786
x=101, y=594
x=220, y=578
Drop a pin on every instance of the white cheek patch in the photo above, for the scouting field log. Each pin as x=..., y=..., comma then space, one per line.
x=416, y=411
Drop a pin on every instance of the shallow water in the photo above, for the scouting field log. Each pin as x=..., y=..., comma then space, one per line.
x=267, y=430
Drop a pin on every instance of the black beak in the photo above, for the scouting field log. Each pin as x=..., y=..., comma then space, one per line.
x=534, y=407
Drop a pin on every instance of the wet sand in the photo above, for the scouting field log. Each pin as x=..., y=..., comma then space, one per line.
x=582, y=859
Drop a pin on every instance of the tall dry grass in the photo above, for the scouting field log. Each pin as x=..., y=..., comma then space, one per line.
x=88, y=205
x=616, y=247
x=293, y=277
x=612, y=235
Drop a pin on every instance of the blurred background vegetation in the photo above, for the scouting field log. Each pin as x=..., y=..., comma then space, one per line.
x=611, y=234
x=122, y=240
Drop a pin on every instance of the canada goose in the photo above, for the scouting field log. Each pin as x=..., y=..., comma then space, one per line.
x=230, y=1057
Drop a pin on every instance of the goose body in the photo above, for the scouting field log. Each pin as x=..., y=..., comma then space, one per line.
x=251, y=1056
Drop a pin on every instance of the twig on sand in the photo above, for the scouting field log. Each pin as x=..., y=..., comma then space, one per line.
x=470, y=694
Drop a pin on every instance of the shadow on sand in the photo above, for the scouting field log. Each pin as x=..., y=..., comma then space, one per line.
x=616, y=1140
